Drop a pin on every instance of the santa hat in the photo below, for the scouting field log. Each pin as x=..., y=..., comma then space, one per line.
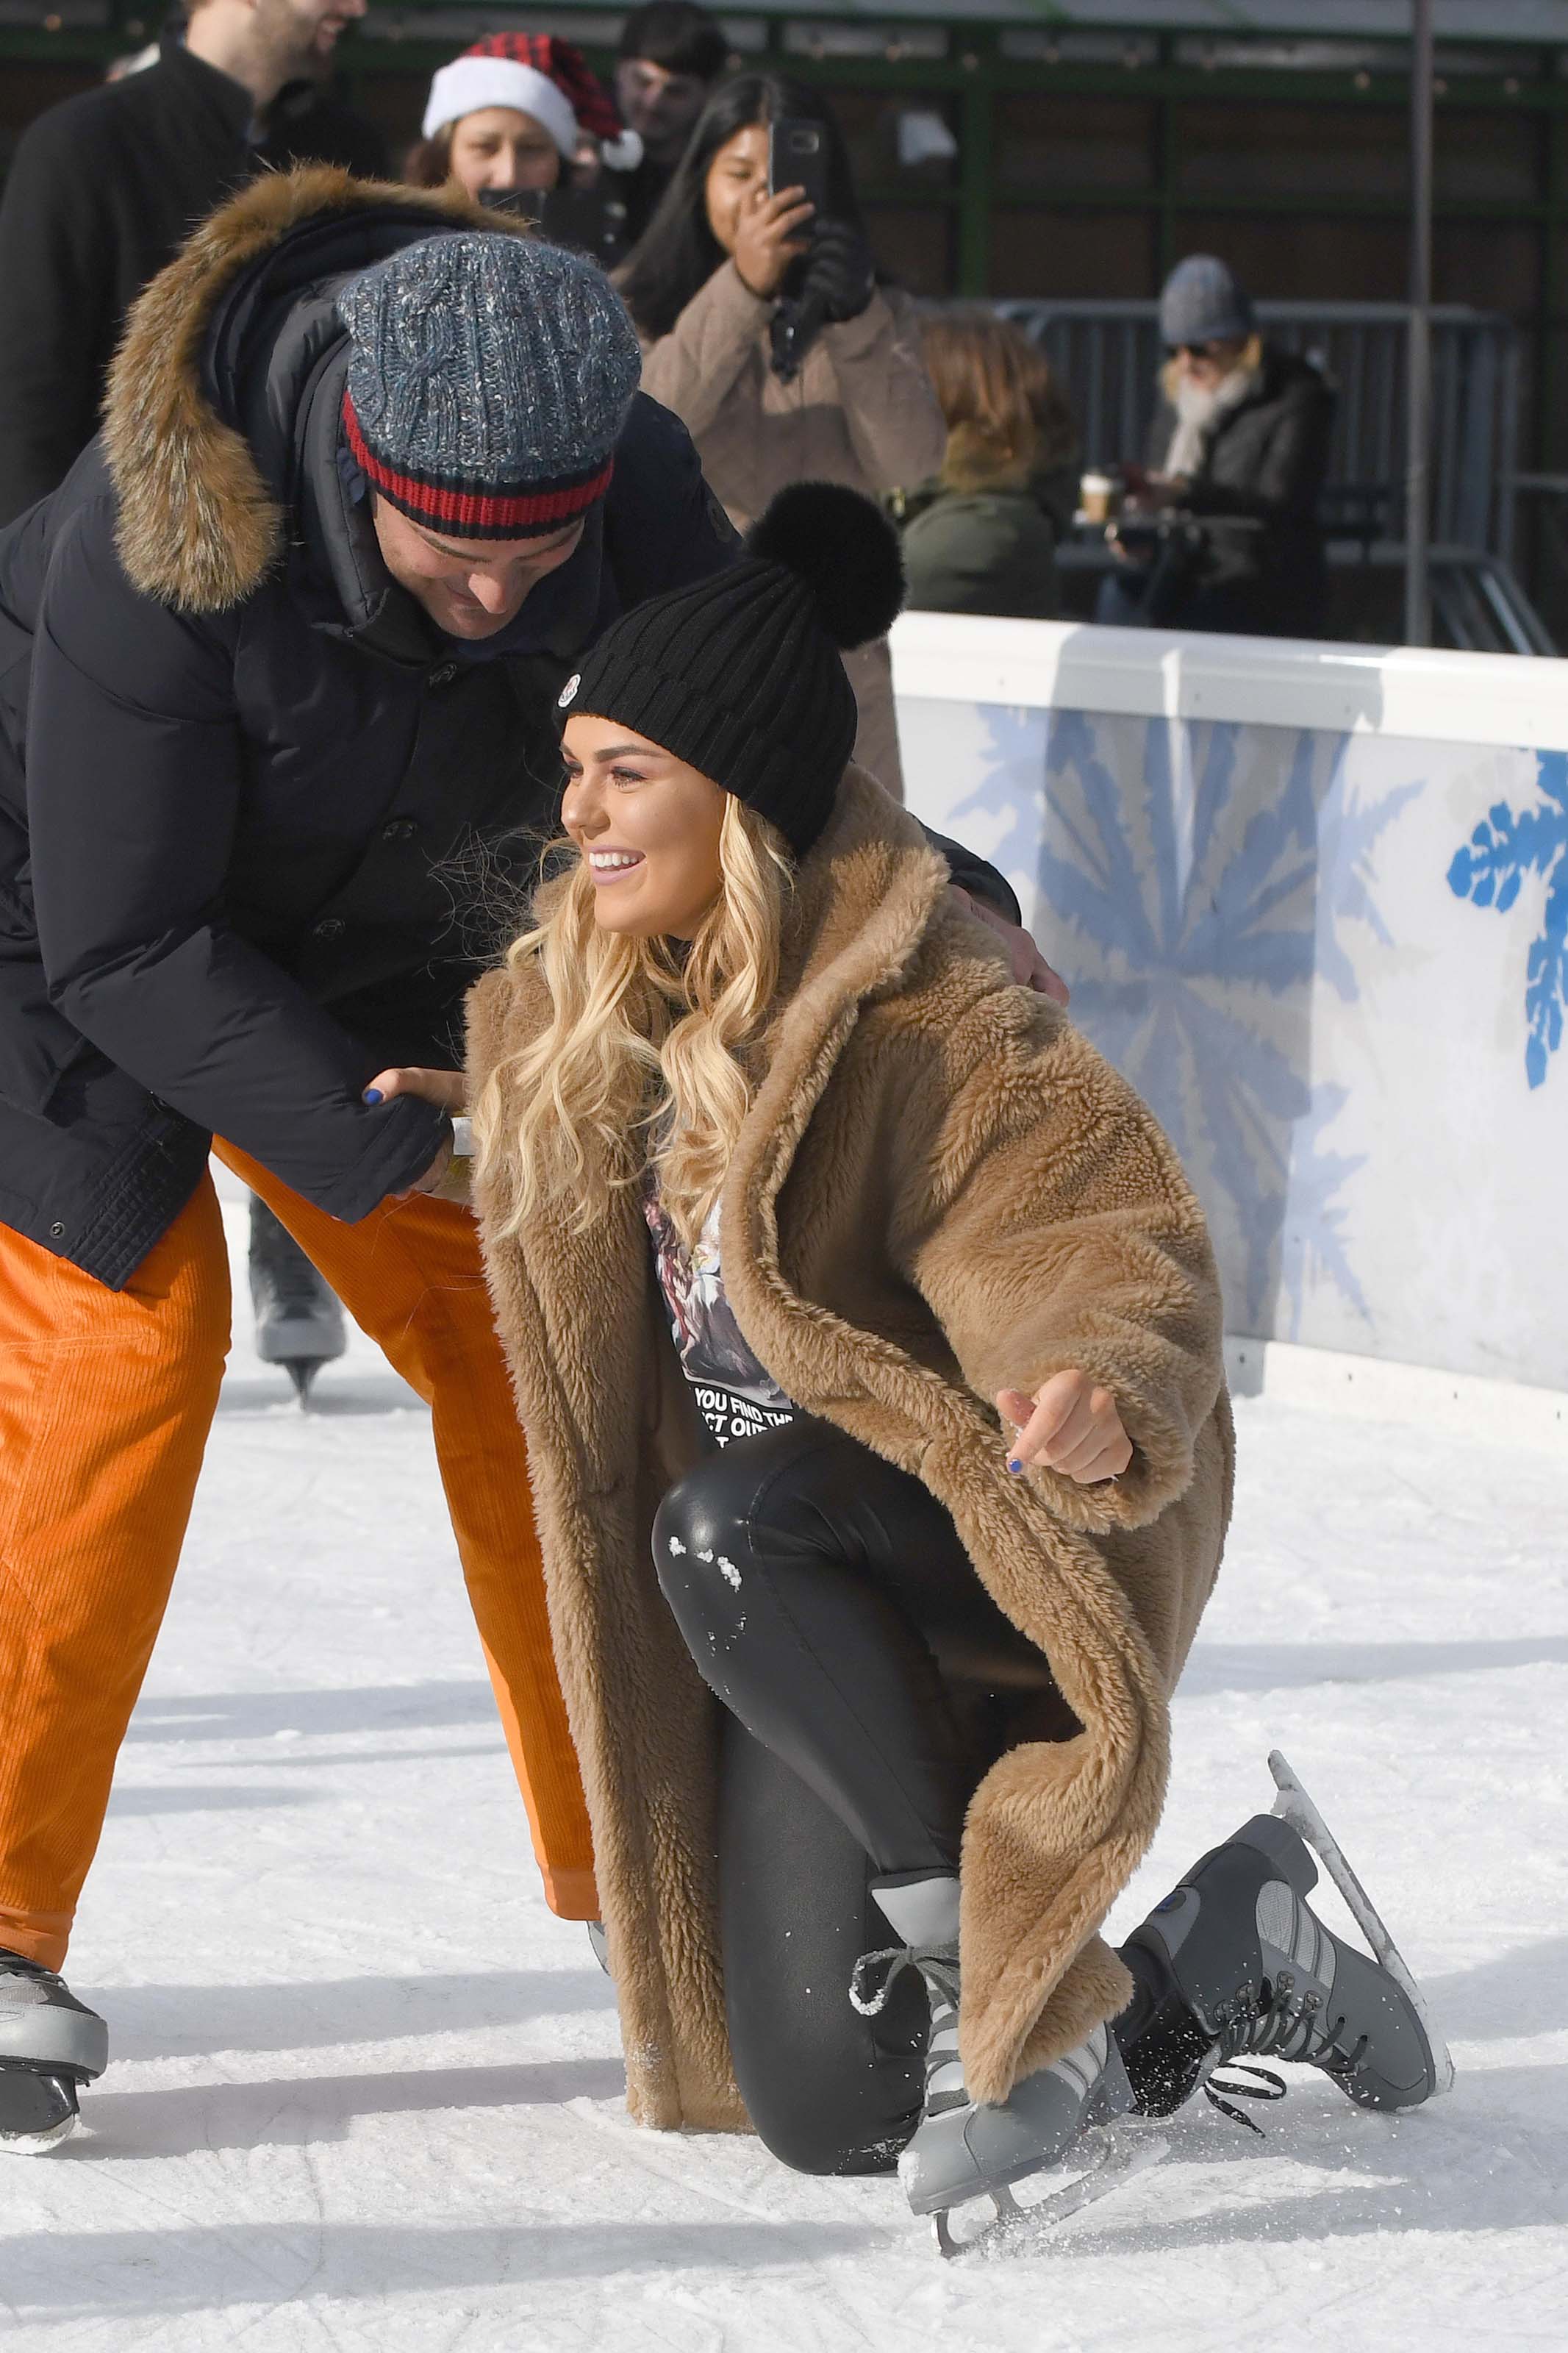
x=537, y=74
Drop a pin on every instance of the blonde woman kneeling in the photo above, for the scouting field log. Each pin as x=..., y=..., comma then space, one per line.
x=868, y=1342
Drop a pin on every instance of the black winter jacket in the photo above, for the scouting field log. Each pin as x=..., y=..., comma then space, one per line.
x=102, y=191
x=260, y=825
x=1257, y=490
x=251, y=803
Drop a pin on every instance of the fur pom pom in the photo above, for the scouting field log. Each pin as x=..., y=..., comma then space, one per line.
x=844, y=549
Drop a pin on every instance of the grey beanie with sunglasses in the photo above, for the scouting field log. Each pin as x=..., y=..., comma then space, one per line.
x=1202, y=303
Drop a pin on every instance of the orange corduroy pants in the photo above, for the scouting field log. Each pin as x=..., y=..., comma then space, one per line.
x=106, y=1399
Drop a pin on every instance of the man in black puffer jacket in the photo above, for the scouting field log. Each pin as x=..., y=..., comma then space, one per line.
x=278, y=671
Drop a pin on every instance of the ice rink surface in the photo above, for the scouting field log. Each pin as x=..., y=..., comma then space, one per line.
x=365, y=2089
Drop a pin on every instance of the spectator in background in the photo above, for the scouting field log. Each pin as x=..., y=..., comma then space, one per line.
x=766, y=332
x=672, y=54
x=1240, y=443
x=982, y=536
x=104, y=188
x=519, y=110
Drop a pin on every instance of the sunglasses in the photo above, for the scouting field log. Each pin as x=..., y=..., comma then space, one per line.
x=1194, y=350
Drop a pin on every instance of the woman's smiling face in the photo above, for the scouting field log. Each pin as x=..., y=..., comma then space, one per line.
x=648, y=827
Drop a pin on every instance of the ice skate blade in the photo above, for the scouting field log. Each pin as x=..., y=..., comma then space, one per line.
x=1115, y=2161
x=302, y=1371
x=1294, y=1806
x=39, y=2144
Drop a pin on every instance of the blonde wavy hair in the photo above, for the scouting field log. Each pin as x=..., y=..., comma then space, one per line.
x=643, y=1059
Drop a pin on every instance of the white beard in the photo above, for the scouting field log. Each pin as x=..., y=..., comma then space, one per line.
x=1197, y=408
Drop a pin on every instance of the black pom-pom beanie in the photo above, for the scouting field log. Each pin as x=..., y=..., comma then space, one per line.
x=742, y=675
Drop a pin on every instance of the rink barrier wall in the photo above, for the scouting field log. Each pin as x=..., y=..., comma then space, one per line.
x=1326, y=1380
x=1313, y=901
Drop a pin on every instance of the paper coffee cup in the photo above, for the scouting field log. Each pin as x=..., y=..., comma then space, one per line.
x=1098, y=496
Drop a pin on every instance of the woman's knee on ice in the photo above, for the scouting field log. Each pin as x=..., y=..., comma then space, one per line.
x=833, y=2110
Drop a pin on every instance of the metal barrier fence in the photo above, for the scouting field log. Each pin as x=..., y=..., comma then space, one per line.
x=1108, y=356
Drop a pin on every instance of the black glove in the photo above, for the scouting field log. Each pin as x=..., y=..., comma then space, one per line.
x=839, y=278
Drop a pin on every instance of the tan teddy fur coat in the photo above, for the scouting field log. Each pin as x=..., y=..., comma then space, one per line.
x=941, y=1191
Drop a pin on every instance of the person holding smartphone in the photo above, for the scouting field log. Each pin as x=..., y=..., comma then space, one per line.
x=764, y=328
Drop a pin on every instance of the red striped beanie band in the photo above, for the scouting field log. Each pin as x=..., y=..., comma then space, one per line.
x=462, y=510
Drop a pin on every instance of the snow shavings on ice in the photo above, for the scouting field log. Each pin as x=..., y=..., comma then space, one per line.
x=365, y=2090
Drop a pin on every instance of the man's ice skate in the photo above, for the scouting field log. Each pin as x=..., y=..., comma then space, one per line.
x=1235, y=1965
x=49, y=2043
x=964, y=2149
x=298, y=1322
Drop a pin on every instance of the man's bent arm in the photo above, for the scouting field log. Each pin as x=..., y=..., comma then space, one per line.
x=133, y=784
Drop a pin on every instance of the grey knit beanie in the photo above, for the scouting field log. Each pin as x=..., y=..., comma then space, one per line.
x=1202, y=303
x=489, y=378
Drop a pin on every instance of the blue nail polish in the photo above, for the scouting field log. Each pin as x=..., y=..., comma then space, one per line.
x=373, y=1095
x=1014, y=1464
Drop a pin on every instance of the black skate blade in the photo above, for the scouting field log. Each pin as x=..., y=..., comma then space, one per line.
x=1122, y=2153
x=302, y=1371
x=1294, y=1806
x=38, y=2110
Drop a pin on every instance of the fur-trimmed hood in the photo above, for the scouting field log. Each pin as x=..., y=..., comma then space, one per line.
x=218, y=353
x=941, y=1191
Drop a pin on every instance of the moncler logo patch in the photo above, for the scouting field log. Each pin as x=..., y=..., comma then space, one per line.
x=568, y=692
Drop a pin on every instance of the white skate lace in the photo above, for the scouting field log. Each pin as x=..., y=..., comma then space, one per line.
x=937, y=1966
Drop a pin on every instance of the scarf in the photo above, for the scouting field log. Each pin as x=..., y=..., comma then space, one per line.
x=1197, y=409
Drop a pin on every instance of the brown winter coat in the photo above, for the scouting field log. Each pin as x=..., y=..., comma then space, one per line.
x=862, y=411
x=941, y=1191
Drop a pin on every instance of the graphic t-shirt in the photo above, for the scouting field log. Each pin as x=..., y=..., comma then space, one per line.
x=739, y=1397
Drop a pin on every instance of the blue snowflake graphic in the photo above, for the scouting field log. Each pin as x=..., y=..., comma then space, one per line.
x=1488, y=869
x=1211, y=926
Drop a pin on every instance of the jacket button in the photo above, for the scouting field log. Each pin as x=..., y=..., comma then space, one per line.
x=444, y=673
x=56, y=1229
x=399, y=828
x=331, y=927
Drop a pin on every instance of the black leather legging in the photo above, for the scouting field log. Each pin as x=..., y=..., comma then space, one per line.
x=869, y=1682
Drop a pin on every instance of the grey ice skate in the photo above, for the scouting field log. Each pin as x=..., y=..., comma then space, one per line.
x=1234, y=1964
x=49, y=2045
x=964, y=2149
x=298, y=1322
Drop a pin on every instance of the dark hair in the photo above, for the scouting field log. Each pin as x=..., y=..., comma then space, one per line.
x=679, y=252
x=677, y=35
x=428, y=163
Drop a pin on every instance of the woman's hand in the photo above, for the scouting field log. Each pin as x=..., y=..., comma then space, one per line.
x=448, y=1090
x=768, y=238
x=1029, y=967
x=1069, y=1427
